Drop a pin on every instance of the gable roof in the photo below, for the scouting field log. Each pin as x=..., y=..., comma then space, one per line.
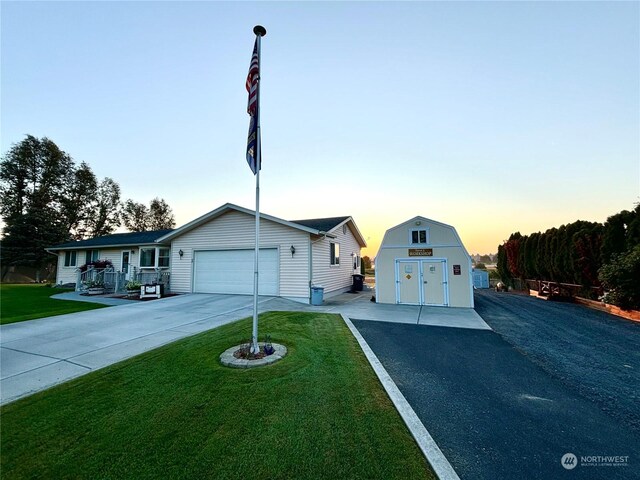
x=318, y=226
x=115, y=240
x=322, y=224
x=332, y=223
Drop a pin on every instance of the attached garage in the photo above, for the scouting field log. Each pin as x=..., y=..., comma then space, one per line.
x=215, y=254
x=231, y=271
x=423, y=262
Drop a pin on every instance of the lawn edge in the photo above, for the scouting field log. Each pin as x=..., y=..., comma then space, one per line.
x=426, y=443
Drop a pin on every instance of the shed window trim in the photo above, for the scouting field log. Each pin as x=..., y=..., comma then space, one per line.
x=419, y=236
x=334, y=253
x=70, y=258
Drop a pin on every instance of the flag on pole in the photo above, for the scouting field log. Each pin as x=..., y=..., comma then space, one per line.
x=252, y=109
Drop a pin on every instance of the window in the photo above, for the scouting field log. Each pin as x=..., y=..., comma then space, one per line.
x=334, y=252
x=356, y=262
x=152, y=257
x=92, y=256
x=419, y=236
x=163, y=257
x=147, y=257
x=70, y=258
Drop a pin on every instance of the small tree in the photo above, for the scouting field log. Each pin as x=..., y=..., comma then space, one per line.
x=620, y=279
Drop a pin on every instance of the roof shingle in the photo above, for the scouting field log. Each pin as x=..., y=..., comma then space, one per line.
x=132, y=238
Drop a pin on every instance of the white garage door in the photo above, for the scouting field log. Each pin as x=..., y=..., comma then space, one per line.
x=231, y=271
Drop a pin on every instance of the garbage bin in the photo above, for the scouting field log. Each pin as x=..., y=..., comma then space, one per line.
x=358, y=282
x=317, y=295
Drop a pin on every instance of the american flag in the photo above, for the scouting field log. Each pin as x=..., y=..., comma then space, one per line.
x=252, y=81
x=252, y=109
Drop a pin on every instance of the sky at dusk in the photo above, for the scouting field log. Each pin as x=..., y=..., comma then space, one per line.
x=493, y=117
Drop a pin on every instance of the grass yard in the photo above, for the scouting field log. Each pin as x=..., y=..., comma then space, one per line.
x=27, y=302
x=176, y=412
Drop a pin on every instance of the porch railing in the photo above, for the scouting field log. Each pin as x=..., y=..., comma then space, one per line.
x=116, y=282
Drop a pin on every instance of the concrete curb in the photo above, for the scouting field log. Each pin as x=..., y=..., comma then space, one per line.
x=229, y=360
x=427, y=444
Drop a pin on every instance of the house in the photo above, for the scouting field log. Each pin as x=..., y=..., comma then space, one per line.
x=215, y=254
x=129, y=253
x=423, y=262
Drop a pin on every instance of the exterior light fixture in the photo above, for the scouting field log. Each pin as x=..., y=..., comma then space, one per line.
x=293, y=250
x=181, y=253
x=418, y=222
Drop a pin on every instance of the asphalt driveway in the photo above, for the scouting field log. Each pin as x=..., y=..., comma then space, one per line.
x=496, y=412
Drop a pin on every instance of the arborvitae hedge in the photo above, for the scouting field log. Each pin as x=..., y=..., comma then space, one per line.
x=576, y=253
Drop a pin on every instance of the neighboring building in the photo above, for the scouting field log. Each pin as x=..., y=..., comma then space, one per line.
x=128, y=252
x=480, y=278
x=423, y=262
x=215, y=254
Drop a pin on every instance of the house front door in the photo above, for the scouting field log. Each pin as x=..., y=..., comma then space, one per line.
x=125, y=263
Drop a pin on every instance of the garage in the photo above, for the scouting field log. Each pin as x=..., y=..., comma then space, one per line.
x=423, y=262
x=231, y=271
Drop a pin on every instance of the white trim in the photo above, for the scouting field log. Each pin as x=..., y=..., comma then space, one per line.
x=156, y=260
x=427, y=235
x=227, y=207
x=421, y=261
x=387, y=247
x=354, y=230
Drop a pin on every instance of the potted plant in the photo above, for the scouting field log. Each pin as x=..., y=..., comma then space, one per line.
x=94, y=287
x=133, y=287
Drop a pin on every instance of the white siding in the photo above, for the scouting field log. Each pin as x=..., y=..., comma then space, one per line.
x=444, y=242
x=335, y=278
x=237, y=230
x=67, y=274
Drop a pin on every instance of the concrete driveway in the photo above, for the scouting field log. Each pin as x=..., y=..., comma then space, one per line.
x=38, y=354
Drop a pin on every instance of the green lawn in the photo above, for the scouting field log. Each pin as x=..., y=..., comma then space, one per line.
x=26, y=302
x=176, y=412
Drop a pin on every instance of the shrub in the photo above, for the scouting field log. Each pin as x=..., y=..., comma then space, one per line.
x=97, y=264
x=133, y=285
x=620, y=279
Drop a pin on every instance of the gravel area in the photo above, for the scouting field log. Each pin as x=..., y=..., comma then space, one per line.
x=592, y=352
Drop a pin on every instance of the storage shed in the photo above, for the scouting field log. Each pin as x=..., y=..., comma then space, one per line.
x=480, y=279
x=423, y=262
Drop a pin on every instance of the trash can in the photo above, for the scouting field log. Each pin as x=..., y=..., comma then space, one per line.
x=358, y=282
x=317, y=295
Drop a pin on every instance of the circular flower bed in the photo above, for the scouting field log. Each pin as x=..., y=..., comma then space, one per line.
x=240, y=356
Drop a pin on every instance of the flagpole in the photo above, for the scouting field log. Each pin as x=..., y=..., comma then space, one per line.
x=260, y=32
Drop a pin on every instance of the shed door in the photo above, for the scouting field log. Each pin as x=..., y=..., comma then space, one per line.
x=408, y=282
x=231, y=271
x=434, y=282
